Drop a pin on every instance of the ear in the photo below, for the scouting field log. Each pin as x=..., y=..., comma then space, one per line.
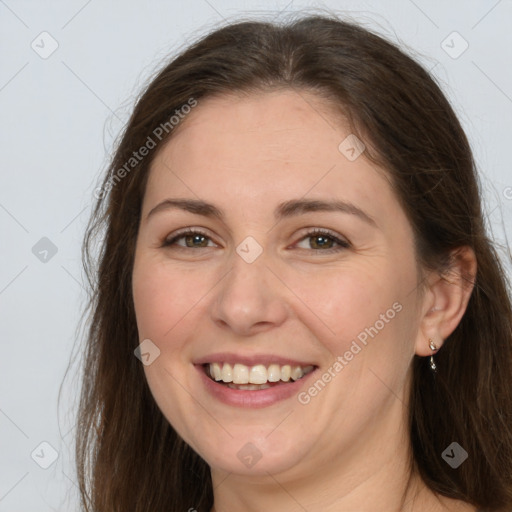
x=446, y=299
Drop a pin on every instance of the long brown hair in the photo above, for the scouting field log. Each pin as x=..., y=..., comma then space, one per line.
x=128, y=456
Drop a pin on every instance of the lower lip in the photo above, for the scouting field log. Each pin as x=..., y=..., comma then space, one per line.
x=254, y=398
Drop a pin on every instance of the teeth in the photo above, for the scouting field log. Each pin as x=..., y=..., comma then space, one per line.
x=274, y=373
x=296, y=373
x=248, y=387
x=257, y=375
x=286, y=372
x=215, y=371
x=241, y=374
x=227, y=372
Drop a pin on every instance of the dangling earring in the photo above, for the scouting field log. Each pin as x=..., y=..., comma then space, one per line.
x=433, y=347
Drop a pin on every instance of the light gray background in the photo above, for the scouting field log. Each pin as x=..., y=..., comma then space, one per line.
x=59, y=117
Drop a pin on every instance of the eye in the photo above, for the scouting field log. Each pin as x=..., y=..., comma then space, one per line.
x=323, y=240
x=193, y=238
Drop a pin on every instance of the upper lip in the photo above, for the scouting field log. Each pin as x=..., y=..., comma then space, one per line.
x=250, y=360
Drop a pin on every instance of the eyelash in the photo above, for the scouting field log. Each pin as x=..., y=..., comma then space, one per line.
x=343, y=244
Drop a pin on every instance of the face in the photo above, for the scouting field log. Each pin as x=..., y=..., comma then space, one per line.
x=258, y=278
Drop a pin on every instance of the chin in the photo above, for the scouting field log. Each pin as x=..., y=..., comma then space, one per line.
x=254, y=455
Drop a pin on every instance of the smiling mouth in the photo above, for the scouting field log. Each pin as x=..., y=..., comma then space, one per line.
x=257, y=377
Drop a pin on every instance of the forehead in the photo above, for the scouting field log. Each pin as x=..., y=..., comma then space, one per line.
x=279, y=119
x=264, y=148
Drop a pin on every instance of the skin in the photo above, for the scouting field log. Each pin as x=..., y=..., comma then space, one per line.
x=347, y=449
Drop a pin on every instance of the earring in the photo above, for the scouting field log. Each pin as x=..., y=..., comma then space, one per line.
x=433, y=347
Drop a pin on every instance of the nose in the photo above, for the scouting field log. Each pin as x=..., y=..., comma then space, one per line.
x=250, y=298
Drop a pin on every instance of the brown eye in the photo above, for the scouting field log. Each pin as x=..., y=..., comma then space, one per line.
x=193, y=239
x=325, y=241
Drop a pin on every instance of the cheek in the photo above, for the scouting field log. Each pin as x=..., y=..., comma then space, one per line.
x=163, y=295
x=367, y=316
x=346, y=300
x=164, y=300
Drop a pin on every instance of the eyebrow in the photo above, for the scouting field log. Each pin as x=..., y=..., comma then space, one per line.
x=287, y=209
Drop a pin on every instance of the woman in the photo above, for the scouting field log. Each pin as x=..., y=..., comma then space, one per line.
x=297, y=306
